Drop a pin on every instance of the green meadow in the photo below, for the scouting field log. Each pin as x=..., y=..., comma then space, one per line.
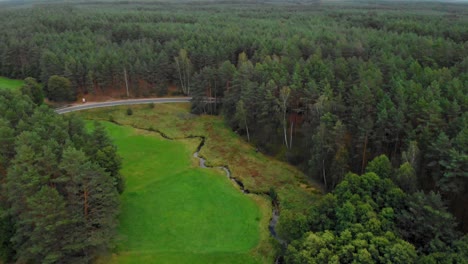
x=257, y=171
x=176, y=212
x=6, y=83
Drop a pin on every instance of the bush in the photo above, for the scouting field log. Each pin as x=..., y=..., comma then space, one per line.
x=129, y=111
x=151, y=105
x=33, y=89
x=60, y=89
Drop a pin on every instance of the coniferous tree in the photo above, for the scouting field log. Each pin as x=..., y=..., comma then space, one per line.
x=57, y=205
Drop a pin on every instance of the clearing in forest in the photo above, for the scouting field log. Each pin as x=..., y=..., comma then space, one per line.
x=175, y=212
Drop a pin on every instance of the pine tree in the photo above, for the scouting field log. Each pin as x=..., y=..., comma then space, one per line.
x=34, y=90
x=48, y=218
x=104, y=153
x=92, y=204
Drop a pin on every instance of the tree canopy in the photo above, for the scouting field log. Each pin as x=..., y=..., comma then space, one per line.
x=59, y=199
x=373, y=89
x=368, y=219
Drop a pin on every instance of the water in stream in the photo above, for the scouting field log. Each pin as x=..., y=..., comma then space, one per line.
x=225, y=169
x=275, y=213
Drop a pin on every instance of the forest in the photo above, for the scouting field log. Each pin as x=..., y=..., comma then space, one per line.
x=377, y=89
x=60, y=184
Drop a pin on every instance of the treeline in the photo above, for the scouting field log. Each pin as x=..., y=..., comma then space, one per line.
x=354, y=92
x=368, y=219
x=416, y=118
x=95, y=44
x=59, y=184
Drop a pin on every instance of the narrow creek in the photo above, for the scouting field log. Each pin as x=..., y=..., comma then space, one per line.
x=202, y=163
x=225, y=169
x=275, y=210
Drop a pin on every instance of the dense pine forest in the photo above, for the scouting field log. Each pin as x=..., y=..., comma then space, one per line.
x=377, y=89
x=60, y=184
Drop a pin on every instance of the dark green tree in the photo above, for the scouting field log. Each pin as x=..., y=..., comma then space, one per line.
x=426, y=223
x=48, y=218
x=34, y=90
x=60, y=89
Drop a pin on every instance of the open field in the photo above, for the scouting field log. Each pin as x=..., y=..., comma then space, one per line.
x=6, y=83
x=175, y=212
x=223, y=147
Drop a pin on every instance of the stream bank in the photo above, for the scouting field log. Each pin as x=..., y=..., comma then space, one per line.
x=275, y=206
x=202, y=164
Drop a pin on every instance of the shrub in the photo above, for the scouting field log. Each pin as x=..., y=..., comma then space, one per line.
x=60, y=89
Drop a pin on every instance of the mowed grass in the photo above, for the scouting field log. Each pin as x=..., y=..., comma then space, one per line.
x=10, y=84
x=175, y=212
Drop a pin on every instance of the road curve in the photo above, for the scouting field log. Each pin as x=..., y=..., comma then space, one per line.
x=87, y=106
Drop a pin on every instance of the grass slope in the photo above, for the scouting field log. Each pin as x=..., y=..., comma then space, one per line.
x=6, y=83
x=175, y=212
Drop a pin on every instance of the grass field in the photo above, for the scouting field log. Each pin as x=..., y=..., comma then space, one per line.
x=175, y=212
x=210, y=220
x=6, y=83
x=258, y=172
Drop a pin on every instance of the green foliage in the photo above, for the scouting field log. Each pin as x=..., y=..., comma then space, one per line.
x=350, y=247
x=6, y=232
x=59, y=204
x=60, y=89
x=93, y=199
x=45, y=241
x=391, y=84
x=33, y=89
x=7, y=136
x=405, y=178
x=329, y=149
x=108, y=159
x=104, y=153
x=369, y=188
x=426, y=223
x=381, y=166
x=448, y=162
x=292, y=225
x=367, y=219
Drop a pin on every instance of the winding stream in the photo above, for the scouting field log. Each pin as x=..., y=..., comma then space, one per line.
x=202, y=163
x=275, y=213
x=225, y=169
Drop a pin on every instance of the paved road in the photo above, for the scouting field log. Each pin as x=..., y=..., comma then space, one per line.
x=122, y=102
